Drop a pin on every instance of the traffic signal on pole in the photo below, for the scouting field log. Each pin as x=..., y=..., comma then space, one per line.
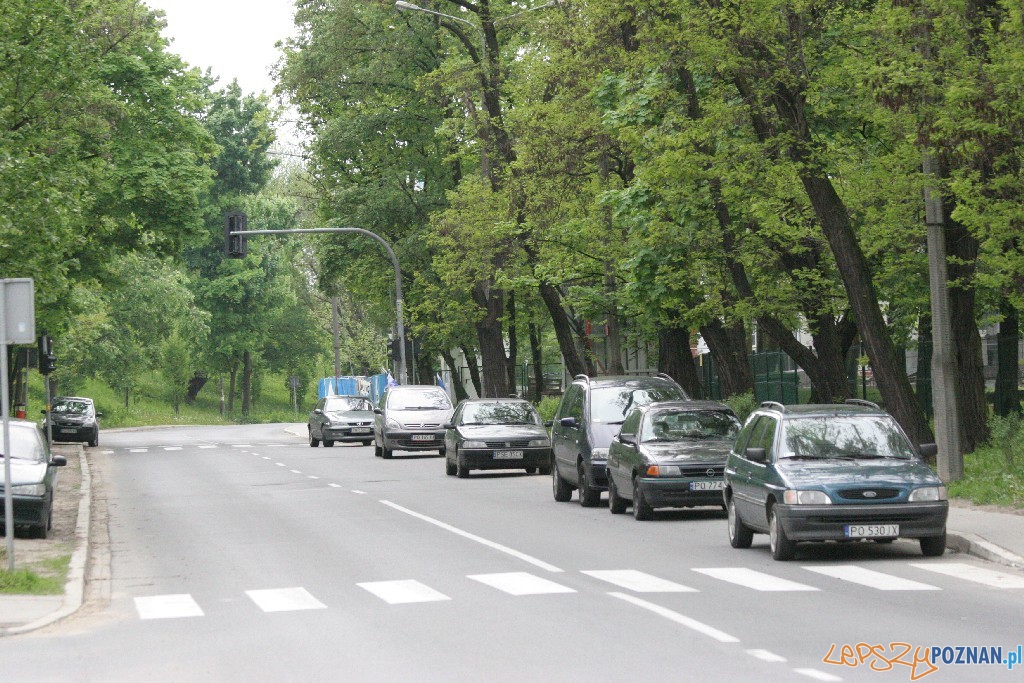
x=47, y=359
x=235, y=246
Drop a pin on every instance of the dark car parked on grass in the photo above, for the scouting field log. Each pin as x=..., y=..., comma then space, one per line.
x=33, y=477
x=411, y=418
x=670, y=454
x=74, y=418
x=341, y=418
x=496, y=434
x=588, y=417
x=840, y=472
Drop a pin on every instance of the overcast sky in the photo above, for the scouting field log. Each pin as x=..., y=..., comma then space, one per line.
x=233, y=37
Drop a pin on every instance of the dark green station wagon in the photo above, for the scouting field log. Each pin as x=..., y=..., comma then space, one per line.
x=831, y=472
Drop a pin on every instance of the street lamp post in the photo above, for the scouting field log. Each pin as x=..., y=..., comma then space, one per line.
x=402, y=372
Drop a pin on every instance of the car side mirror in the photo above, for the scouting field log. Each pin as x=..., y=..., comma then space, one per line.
x=448, y=425
x=98, y=414
x=58, y=460
x=378, y=411
x=928, y=450
x=756, y=454
x=42, y=412
x=628, y=438
x=548, y=423
x=568, y=422
x=317, y=411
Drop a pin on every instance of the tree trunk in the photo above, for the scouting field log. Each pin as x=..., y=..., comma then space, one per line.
x=457, y=386
x=924, y=363
x=676, y=361
x=195, y=385
x=246, y=383
x=613, y=338
x=474, y=370
x=729, y=349
x=536, y=354
x=1007, y=399
x=572, y=355
x=491, y=340
x=231, y=388
x=962, y=251
x=513, y=343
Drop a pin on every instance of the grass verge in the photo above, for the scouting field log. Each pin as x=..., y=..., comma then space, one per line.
x=994, y=474
x=47, y=578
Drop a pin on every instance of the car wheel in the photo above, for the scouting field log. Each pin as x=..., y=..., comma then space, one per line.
x=782, y=547
x=589, y=497
x=933, y=546
x=616, y=503
x=443, y=452
x=95, y=440
x=883, y=541
x=449, y=467
x=367, y=443
x=386, y=452
x=544, y=469
x=740, y=535
x=329, y=444
x=313, y=443
x=461, y=468
x=642, y=510
x=531, y=470
x=560, y=487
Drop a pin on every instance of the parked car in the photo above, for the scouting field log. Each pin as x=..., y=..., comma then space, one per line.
x=831, y=472
x=411, y=418
x=33, y=477
x=589, y=415
x=74, y=418
x=496, y=434
x=670, y=454
x=341, y=418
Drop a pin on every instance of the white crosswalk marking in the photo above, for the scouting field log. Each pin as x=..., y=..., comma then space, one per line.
x=172, y=448
x=988, y=577
x=138, y=450
x=754, y=579
x=401, y=592
x=284, y=599
x=207, y=446
x=871, y=578
x=638, y=581
x=241, y=445
x=521, y=583
x=818, y=675
x=167, y=606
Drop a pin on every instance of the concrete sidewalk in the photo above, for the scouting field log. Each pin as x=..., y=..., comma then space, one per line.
x=989, y=534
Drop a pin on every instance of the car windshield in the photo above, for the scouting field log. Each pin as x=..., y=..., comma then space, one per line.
x=428, y=399
x=499, y=413
x=25, y=444
x=610, y=404
x=70, y=408
x=689, y=425
x=849, y=436
x=346, y=403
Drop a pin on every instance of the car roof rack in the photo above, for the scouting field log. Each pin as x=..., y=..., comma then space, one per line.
x=665, y=375
x=862, y=402
x=773, y=404
x=584, y=377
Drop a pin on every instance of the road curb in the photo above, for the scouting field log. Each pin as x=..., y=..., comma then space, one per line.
x=977, y=546
x=74, y=587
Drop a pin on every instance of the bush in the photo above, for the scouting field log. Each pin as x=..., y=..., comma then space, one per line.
x=548, y=406
x=994, y=474
x=742, y=404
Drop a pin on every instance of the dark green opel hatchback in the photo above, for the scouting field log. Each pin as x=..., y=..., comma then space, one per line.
x=838, y=472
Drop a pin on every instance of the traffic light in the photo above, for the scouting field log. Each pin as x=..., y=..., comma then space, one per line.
x=393, y=350
x=47, y=359
x=235, y=246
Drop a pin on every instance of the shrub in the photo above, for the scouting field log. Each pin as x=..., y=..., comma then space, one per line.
x=742, y=404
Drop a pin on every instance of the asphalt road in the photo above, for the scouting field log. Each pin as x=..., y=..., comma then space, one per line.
x=242, y=554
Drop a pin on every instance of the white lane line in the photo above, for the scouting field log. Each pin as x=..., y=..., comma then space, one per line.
x=335, y=486
x=749, y=578
x=106, y=452
x=639, y=582
x=473, y=537
x=960, y=570
x=818, y=675
x=138, y=450
x=266, y=457
x=312, y=476
x=208, y=446
x=167, y=606
x=872, y=579
x=521, y=583
x=766, y=656
x=296, y=471
x=241, y=445
x=402, y=592
x=356, y=491
x=678, y=618
x=280, y=464
x=284, y=599
x=172, y=448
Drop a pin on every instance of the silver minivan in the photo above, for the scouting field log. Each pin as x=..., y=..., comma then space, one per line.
x=411, y=418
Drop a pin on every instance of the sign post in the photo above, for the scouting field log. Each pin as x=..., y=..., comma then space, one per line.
x=17, y=326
